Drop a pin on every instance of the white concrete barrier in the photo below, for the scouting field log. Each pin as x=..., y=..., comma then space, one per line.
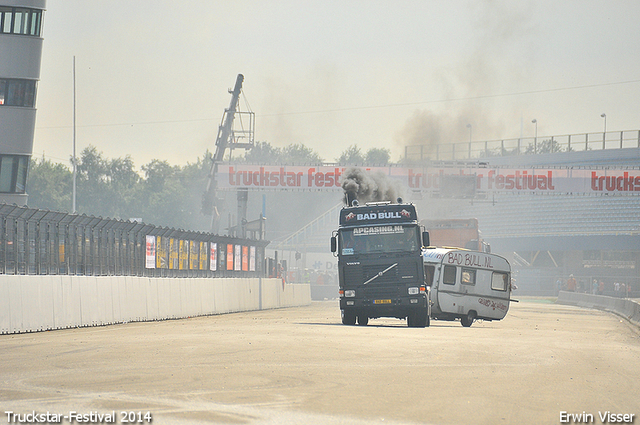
x=623, y=307
x=37, y=303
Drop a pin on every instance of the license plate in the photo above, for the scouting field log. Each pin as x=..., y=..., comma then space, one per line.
x=382, y=301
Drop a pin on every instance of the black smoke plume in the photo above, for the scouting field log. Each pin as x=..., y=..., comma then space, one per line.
x=365, y=187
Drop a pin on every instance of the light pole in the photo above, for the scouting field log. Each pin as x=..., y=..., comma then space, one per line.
x=604, y=131
x=470, y=130
x=535, y=140
x=75, y=171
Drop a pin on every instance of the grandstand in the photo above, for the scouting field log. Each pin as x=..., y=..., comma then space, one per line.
x=546, y=237
x=513, y=222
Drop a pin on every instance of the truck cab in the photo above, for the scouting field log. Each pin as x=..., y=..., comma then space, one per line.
x=380, y=267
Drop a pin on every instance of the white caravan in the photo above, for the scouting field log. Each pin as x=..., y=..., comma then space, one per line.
x=467, y=285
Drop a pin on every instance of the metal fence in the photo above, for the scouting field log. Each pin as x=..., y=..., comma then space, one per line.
x=520, y=146
x=34, y=241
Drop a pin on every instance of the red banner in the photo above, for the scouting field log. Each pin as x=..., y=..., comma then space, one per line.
x=434, y=179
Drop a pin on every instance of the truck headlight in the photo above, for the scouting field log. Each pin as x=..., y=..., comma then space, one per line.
x=350, y=293
x=414, y=291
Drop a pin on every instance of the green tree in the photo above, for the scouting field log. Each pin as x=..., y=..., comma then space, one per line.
x=499, y=152
x=545, y=146
x=193, y=179
x=107, y=187
x=299, y=154
x=124, y=182
x=265, y=153
x=49, y=185
x=352, y=155
x=94, y=195
x=378, y=156
x=161, y=194
x=158, y=173
x=261, y=152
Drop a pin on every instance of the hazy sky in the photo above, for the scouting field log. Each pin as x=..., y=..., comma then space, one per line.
x=153, y=75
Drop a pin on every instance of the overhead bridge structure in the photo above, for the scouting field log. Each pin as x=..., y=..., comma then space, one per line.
x=313, y=237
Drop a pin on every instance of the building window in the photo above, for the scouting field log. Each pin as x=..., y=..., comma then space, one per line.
x=20, y=20
x=13, y=173
x=15, y=92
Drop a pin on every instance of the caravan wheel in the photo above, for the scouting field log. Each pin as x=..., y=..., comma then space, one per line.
x=467, y=320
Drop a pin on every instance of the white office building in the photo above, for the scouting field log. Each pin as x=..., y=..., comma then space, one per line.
x=20, y=57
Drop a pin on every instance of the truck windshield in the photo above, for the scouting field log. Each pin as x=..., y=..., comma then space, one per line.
x=377, y=239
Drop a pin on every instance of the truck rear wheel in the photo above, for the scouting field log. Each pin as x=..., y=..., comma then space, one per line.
x=348, y=318
x=363, y=320
x=418, y=319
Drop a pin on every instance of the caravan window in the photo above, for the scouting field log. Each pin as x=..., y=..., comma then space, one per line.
x=449, y=276
x=468, y=277
x=499, y=281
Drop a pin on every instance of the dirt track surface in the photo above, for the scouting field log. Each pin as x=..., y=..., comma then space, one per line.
x=300, y=365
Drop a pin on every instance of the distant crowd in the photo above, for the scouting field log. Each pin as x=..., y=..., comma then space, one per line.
x=611, y=288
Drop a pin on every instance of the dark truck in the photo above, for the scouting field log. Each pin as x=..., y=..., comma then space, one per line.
x=380, y=269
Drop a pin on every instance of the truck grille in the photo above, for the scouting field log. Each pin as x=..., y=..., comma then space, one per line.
x=378, y=291
x=359, y=274
x=372, y=270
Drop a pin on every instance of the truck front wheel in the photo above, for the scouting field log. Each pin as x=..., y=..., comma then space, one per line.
x=348, y=318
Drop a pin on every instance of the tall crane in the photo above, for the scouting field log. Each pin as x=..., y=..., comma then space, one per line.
x=227, y=138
